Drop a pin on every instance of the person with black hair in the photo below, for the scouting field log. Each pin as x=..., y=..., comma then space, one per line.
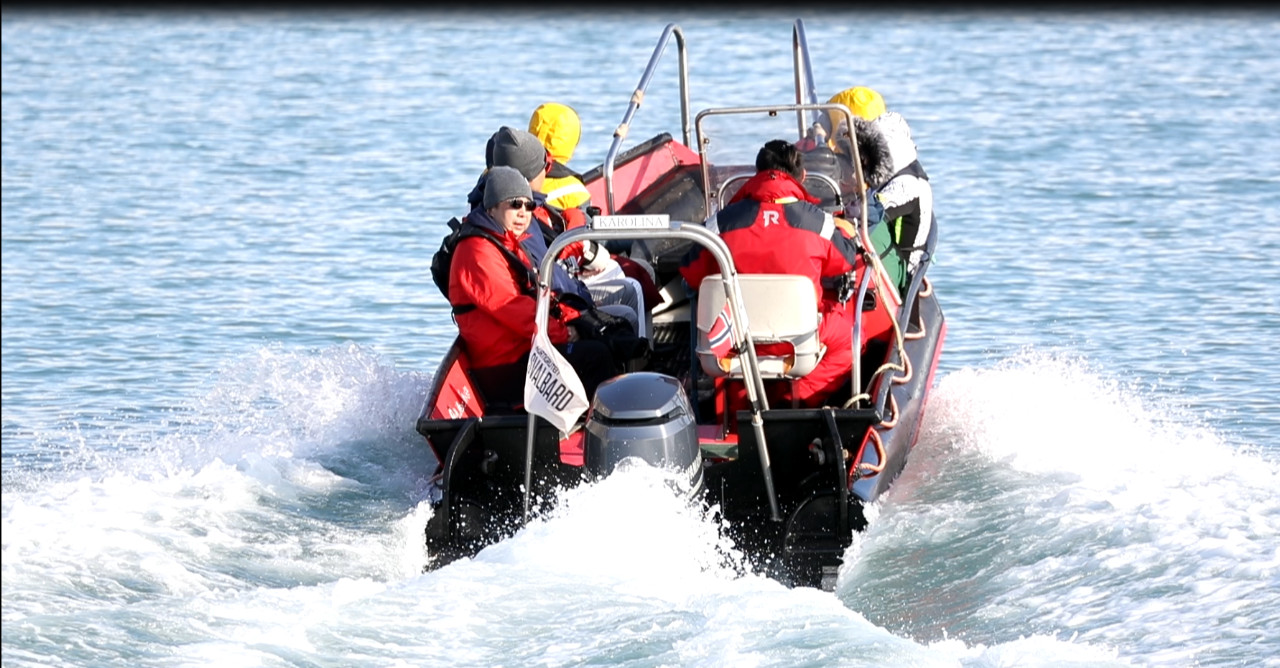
x=772, y=225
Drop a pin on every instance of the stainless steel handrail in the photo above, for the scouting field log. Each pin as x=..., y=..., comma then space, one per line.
x=741, y=335
x=620, y=133
x=805, y=91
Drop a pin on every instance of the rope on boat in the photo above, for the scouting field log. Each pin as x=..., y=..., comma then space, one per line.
x=862, y=470
x=923, y=293
x=898, y=337
x=883, y=286
x=906, y=372
x=901, y=337
x=890, y=424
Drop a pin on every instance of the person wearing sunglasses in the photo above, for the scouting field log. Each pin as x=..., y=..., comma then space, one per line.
x=524, y=153
x=492, y=291
x=622, y=298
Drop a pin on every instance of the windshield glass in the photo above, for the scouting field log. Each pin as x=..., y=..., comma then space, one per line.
x=730, y=139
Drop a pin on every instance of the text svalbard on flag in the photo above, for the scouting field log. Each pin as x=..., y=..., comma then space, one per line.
x=552, y=389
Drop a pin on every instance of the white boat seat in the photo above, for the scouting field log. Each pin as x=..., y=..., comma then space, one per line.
x=781, y=308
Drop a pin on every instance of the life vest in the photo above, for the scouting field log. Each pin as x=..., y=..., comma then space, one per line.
x=443, y=260
x=564, y=188
x=555, y=219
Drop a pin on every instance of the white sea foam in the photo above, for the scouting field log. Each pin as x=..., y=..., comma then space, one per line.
x=1045, y=498
x=302, y=538
x=258, y=500
x=1018, y=534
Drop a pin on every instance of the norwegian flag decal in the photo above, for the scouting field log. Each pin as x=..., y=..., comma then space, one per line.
x=719, y=335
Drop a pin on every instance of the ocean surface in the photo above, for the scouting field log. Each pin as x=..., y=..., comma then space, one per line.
x=219, y=327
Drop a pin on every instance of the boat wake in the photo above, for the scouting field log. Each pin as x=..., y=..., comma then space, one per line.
x=1047, y=516
x=1047, y=499
x=630, y=522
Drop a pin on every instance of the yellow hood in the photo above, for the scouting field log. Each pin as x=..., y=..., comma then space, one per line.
x=558, y=128
x=862, y=101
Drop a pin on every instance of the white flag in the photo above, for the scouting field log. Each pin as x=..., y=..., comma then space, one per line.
x=552, y=389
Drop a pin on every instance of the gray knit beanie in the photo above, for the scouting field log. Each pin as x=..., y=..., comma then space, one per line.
x=503, y=183
x=488, y=151
x=519, y=149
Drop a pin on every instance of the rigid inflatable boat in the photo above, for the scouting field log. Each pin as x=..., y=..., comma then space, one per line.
x=790, y=484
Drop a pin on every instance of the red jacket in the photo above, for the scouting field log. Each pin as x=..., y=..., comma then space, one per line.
x=768, y=236
x=500, y=329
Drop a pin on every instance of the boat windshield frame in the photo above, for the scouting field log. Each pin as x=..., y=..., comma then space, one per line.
x=711, y=190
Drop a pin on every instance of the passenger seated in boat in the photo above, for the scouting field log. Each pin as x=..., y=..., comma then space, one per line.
x=522, y=151
x=900, y=206
x=558, y=128
x=568, y=203
x=773, y=226
x=492, y=291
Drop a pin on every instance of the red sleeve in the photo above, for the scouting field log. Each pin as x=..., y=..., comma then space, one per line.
x=481, y=275
x=841, y=254
x=835, y=263
x=574, y=217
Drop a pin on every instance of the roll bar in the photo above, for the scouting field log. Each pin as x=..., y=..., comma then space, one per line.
x=662, y=227
x=805, y=91
x=637, y=97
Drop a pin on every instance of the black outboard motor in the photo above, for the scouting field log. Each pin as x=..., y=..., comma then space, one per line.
x=645, y=415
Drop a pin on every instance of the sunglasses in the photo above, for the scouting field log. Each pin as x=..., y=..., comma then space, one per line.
x=527, y=204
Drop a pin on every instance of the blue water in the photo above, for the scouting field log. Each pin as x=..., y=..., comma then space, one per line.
x=219, y=326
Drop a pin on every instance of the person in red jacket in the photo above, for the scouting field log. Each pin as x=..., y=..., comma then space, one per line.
x=773, y=226
x=491, y=289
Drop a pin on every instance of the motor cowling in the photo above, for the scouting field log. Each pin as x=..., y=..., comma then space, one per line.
x=648, y=416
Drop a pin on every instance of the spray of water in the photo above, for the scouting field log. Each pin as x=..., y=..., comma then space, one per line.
x=1045, y=498
x=1048, y=517
x=298, y=469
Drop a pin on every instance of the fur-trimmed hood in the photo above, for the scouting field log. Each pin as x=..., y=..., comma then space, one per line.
x=885, y=146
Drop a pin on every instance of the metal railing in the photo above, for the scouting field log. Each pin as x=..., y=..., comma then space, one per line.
x=624, y=127
x=805, y=91
x=696, y=233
